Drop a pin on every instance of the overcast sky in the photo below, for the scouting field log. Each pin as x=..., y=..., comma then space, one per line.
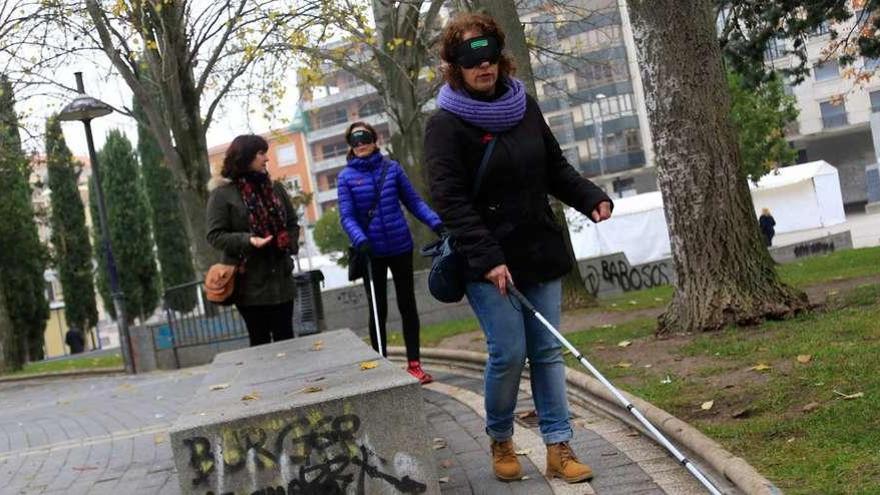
x=100, y=83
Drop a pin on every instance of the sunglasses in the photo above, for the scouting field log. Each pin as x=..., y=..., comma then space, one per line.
x=473, y=52
x=359, y=137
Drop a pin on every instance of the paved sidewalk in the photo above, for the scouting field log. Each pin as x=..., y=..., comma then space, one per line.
x=108, y=435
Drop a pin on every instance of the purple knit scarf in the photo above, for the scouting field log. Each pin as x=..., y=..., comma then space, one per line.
x=494, y=116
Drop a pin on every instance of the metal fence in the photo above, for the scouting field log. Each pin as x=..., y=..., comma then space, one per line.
x=193, y=320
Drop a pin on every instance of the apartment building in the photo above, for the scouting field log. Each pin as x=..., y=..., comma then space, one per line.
x=835, y=111
x=592, y=96
x=288, y=162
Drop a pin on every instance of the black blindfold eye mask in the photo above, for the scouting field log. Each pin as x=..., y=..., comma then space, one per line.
x=360, y=137
x=473, y=52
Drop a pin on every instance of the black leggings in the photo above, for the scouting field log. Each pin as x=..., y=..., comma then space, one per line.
x=402, y=272
x=268, y=323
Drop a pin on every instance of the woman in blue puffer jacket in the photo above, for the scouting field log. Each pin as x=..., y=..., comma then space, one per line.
x=370, y=214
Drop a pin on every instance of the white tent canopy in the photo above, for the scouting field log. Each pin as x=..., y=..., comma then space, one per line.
x=799, y=197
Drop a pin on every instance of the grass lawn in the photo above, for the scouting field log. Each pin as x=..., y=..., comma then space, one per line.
x=73, y=364
x=431, y=335
x=791, y=420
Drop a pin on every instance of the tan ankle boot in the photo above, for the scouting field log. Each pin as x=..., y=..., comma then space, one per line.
x=562, y=463
x=504, y=461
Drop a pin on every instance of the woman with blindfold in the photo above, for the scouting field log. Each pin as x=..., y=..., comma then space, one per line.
x=371, y=188
x=488, y=131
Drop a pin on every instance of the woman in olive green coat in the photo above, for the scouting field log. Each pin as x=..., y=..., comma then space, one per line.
x=252, y=221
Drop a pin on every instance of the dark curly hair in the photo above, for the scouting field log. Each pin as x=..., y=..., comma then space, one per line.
x=241, y=153
x=452, y=37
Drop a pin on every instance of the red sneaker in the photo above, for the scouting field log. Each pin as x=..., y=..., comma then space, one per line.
x=415, y=369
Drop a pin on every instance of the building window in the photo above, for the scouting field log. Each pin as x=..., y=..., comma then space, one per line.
x=562, y=127
x=875, y=101
x=826, y=70
x=555, y=88
x=871, y=64
x=286, y=155
x=833, y=114
x=600, y=73
x=572, y=156
x=821, y=29
x=775, y=48
x=332, y=117
x=333, y=150
x=293, y=183
x=372, y=107
x=332, y=181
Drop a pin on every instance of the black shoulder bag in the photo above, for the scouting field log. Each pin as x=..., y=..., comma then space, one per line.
x=446, y=280
x=357, y=261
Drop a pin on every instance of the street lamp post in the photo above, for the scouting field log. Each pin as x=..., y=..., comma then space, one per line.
x=85, y=108
x=600, y=145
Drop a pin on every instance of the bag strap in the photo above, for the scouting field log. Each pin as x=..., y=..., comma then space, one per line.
x=481, y=172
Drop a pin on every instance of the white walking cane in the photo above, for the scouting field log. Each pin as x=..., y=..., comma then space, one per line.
x=373, y=304
x=627, y=404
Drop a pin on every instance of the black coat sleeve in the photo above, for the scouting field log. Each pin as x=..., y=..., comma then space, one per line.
x=450, y=186
x=563, y=181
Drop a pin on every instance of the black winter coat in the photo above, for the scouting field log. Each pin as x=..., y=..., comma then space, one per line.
x=510, y=221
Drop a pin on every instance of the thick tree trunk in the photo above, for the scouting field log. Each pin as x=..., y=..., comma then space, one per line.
x=404, y=95
x=724, y=273
x=574, y=292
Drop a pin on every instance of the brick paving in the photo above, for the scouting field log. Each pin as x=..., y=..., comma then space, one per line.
x=108, y=435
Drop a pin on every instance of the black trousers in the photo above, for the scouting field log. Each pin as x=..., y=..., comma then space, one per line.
x=402, y=271
x=268, y=323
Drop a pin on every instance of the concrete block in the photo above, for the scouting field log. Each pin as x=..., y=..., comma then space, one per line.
x=813, y=247
x=302, y=417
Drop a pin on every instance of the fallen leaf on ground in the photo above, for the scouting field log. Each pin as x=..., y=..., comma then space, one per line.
x=623, y=364
x=790, y=440
x=761, y=367
x=368, y=365
x=624, y=343
x=666, y=380
x=526, y=477
x=850, y=396
x=707, y=405
x=812, y=406
x=444, y=479
x=311, y=390
x=633, y=433
x=804, y=358
x=280, y=354
x=251, y=396
x=220, y=386
x=84, y=468
x=607, y=325
x=446, y=463
x=439, y=443
x=658, y=299
x=318, y=345
x=523, y=452
x=159, y=439
x=648, y=365
x=632, y=302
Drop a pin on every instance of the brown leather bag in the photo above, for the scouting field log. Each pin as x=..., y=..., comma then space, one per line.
x=220, y=283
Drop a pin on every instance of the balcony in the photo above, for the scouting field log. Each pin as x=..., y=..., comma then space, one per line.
x=339, y=129
x=329, y=164
x=340, y=97
x=328, y=195
x=832, y=121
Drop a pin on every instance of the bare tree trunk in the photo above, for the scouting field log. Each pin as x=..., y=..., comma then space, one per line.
x=574, y=292
x=724, y=273
x=404, y=94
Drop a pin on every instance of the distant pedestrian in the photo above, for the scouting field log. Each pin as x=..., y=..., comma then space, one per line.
x=507, y=231
x=253, y=222
x=74, y=339
x=767, y=226
x=371, y=189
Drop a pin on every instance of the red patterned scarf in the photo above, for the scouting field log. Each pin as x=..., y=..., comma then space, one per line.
x=266, y=212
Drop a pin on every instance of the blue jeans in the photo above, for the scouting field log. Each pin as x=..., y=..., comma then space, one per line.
x=512, y=334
